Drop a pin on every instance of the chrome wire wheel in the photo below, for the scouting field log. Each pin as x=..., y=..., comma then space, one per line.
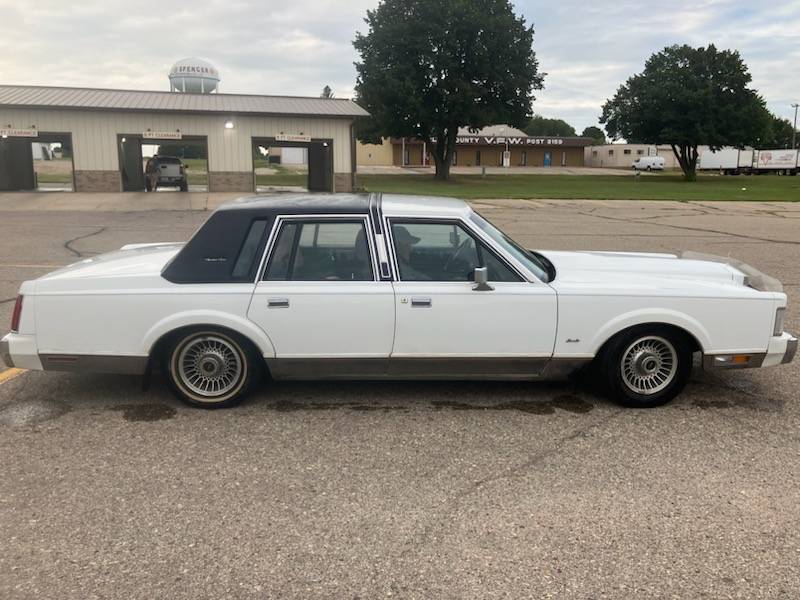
x=210, y=367
x=649, y=365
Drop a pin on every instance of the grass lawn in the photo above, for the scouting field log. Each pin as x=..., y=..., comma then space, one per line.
x=594, y=187
x=54, y=177
x=281, y=176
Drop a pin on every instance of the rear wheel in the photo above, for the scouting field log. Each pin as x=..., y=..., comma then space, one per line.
x=647, y=366
x=184, y=186
x=211, y=369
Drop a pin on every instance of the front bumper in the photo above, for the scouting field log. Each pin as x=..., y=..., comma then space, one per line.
x=17, y=350
x=781, y=350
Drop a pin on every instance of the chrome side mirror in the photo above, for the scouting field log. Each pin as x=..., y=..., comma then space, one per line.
x=481, y=278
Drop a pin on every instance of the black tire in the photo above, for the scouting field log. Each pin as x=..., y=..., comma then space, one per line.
x=184, y=186
x=148, y=187
x=646, y=366
x=201, y=359
x=649, y=168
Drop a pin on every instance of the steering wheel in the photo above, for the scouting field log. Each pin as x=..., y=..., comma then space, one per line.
x=456, y=255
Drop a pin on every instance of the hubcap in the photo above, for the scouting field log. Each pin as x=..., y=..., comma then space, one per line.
x=210, y=366
x=649, y=365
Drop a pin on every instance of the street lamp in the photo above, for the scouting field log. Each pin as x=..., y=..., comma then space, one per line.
x=794, y=127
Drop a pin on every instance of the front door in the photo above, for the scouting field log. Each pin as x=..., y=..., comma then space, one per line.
x=130, y=157
x=548, y=158
x=320, y=302
x=320, y=167
x=444, y=326
x=16, y=165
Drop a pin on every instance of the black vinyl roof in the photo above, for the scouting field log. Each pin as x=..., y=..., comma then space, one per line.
x=210, y=256
x=300, y=204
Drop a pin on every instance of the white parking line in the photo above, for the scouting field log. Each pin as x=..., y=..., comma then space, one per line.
x=31, y=266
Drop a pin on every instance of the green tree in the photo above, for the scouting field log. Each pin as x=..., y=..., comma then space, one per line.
x=686, y=97
x=538, y=125
x=778, y=133
x=195, y=150
x=597, y=135
x=429, y=67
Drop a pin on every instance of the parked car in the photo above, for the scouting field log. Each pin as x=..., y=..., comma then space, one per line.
x=165, y=171
x=649, y=163
x=370, y=286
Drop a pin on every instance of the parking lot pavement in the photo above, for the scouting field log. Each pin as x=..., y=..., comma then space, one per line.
x=411, y=490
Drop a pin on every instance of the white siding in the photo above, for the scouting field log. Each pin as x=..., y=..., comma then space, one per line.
x=94, y=134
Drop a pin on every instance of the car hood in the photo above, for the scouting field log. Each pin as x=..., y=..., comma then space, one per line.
x=134, y=260
x=636, y=269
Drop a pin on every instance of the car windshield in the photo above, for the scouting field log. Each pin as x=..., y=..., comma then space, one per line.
x=533, y=263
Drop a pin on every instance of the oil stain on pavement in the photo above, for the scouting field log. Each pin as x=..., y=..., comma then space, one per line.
x=30, y=412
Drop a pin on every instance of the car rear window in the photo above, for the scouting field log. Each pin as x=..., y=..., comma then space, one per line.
x=249, y=250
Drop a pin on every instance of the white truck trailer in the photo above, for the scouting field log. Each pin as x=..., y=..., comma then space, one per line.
x=730, y=161
x=781, y=162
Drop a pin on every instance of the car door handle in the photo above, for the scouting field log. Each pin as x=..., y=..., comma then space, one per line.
x=278, y=303
x=421, y=302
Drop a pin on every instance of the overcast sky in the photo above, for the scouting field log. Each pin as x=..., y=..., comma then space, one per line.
x=587, y=48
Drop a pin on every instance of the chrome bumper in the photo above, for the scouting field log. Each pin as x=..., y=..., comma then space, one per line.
x=5, y=353
x=791, y=350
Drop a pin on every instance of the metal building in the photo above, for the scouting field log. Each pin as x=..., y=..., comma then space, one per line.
x=103, y=132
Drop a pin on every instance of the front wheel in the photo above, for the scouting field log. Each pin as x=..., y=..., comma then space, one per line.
x=211, y=369
x=647, y=367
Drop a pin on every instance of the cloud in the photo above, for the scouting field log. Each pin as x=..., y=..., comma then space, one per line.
x=587, y=48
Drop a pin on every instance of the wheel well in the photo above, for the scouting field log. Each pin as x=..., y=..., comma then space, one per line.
x=161, y=347
x=691, y=341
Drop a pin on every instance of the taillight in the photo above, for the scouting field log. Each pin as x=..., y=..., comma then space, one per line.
x=15, y=316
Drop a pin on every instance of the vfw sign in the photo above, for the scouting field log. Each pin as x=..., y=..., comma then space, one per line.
x=500, y=140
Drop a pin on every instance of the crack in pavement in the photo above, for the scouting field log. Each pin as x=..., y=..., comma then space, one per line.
x=450, y=505
x=727, y=233
x=78, y=253
x=6, y=300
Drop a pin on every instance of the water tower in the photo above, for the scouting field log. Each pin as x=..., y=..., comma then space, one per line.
x=193, y=76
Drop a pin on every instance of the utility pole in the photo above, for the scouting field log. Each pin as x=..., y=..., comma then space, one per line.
x=794, y=127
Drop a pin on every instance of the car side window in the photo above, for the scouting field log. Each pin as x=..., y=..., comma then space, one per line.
x=320, y=250
x=443, y=251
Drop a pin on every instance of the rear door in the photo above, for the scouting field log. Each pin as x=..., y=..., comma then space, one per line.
x=320, y=301
x=444, y=327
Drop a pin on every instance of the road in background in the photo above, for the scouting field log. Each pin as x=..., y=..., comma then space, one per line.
x=412, y=490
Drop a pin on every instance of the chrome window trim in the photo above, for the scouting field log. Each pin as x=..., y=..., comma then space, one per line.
x=280, y=219
x=501, y=256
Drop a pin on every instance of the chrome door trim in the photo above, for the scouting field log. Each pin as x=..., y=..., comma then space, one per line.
x=426, y=368
x=94, y=363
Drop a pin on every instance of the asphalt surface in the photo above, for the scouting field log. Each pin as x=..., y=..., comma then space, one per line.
x=409, y=490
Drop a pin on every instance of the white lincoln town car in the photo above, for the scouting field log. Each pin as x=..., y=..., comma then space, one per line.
x=370, y=286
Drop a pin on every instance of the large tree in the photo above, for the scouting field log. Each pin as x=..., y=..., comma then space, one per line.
x=686, y=97
x=429, y=67
x=538, y=125
x=597, y=135
x=778, y=133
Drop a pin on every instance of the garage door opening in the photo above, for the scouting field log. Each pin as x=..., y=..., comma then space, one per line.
x=156, y=165
x=42, y=163
x=292, y=166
